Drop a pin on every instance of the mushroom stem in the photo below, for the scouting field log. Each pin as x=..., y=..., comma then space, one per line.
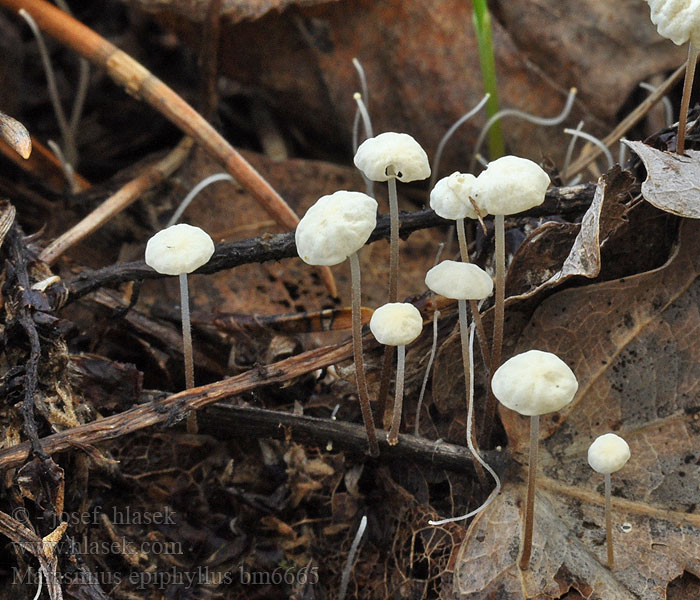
x=398, y=397
x=608, y=522
x=385, y=376
x=393, y=241
x=362, y=391
x=469, y=383
x=530, y=508
x=498, y=316
x=685, y=99
x=187, y=346
x=473, y=305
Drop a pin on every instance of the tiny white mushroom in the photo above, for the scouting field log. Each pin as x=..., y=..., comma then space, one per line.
x=679, y=21
x=508, y=185
x=334, y=229
x=392, y=155
x=397, y=324
x=387, y=157
x=451, y=198
x=533, y=383
x=608, y=454
x=464, y=281
x=179, y=250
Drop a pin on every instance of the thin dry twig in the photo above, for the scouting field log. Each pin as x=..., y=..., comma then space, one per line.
x=143, y=85
x=119, y=201
x=249, y=420
x=626, y=124
x=567, y=200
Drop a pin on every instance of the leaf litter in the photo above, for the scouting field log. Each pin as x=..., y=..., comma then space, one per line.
x=633, y=344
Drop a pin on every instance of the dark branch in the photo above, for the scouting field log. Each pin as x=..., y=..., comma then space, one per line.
x=278, y=246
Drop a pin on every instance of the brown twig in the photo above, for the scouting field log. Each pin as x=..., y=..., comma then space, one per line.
x=143, y=85
x=627, y=123
x=43, y=165
x=233, y=254
x=25, y=309
x=222, y=418
x=119, y=201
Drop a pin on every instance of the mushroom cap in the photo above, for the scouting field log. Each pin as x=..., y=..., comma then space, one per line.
x=179, y=249
x=677, y=20
x=510, y=185
x=335, y=227
x=534, y=383
x=396, y=324
x=608, y=453
x=391, y=154
x=459, y=281
x=450, y=197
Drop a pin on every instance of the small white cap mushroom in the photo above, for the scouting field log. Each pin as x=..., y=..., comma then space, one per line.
x=608, y=453
x=510, y=185
x=179, y=249
x=335, y=227
x=677, y=20
x=450, y=197
x=459, y=281
x=534, y=383
x=396, y=324
x=390, y=155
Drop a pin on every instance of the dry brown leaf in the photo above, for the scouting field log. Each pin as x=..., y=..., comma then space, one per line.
x=633, y=345
x=233, y=10
x=16, y=135
x=550, y=256
x=673, y=181
x=621, y=45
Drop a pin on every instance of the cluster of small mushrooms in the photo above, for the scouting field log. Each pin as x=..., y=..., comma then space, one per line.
x=532, y=383
x=334, y=229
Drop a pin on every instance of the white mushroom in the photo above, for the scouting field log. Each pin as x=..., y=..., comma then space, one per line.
x=397, y=324
x=392, y=155
x=533, y=383
x=679, y=21
x=334, y=229
x=607, y=454
x=179, y=250
x=464, y=281
x=451, y=198
x=387, y=157
x=507, y=186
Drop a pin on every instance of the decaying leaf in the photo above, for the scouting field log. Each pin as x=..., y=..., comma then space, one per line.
x=673, y=181
x=632, y=343
x=16, y=135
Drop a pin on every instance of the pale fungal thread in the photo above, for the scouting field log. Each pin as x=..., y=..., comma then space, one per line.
x=513, y=112
x=594, y=140
x=470, y=414
x=450, y=132
x=347, y=570
x=192, y=194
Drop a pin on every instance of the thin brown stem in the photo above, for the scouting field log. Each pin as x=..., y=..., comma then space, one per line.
x=473, y=304
x=385, y=375
x=187, y=347
x=362, y=391
x=142, y=84
x=393, y=242
x=685, y=99
x=498, y=316
x=608, y=522
x=119, y=201
x=530, y=508
x=398, y=396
